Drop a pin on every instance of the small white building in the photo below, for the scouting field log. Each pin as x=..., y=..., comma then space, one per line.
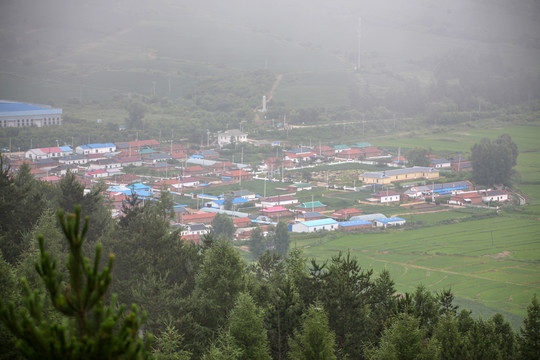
x=280, y=200
x=441, y=163
x=195, y=229
x=315, y=225
x=231, y=136
x=391, y=221
x=95, y=148
x=95, y=174
x=494, y=195
x=387, y=196
x=105, y=164
x=73, y=159
x=48, y=153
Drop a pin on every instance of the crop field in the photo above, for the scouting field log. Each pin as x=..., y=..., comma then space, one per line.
x=491, y=262
x=484, y=262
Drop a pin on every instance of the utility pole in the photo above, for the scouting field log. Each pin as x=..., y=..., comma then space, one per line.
x=242, y=155
x=363, y=128
x=327, y=185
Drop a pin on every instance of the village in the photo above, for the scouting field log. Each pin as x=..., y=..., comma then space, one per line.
x=307, y=187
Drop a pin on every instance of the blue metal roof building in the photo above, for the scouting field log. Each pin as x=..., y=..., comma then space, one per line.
x=391, y=221
x=314, y=225
x=354, y=223
x=18, y=114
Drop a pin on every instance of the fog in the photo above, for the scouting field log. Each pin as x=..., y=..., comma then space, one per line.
x=51, y=48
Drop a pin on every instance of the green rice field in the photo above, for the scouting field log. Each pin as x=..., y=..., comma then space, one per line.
x=493, y=263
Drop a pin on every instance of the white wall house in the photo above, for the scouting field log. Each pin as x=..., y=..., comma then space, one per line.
x=494, y=195
x=387, y=196
x=73, y=159
x=440, y=163
x=195, y=229
x=231, y=136
x=391, y=221
x=315, y=225
x=279, y=200
x=95, y=149
x=48, y=153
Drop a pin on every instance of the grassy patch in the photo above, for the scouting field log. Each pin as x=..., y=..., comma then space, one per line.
x=464, y=256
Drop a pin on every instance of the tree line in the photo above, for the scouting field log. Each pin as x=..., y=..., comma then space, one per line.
x=205, y=301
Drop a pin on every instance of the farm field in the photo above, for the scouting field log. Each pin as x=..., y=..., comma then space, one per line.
x=493, y=263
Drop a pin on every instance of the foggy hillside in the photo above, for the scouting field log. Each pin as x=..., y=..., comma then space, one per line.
x=52, y=48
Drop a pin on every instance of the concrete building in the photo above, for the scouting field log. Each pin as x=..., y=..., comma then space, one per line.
x=354, y=225
x=282, y=200
x=386, y=196
x=314, y=225
x=391, y=221
x=48, y=153
x=17, y=114
x=95, y=149
x=389, y=176
x=231, y=136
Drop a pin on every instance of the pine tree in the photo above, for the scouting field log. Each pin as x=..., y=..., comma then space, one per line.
x=88, y=329
x=246, y=328
x=223, y=227
x=257, y=242
x=529, y=334
x=168, y=345
x=405, y=339
x=224, y=348
x=315, y=341
x=281, y=238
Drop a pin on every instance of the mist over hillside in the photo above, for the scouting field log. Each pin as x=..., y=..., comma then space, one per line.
x=51, y=49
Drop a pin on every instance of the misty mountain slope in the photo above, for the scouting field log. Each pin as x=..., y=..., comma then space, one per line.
x=53, y=48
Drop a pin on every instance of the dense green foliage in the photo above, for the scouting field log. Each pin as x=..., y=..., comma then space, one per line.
x=222, y=227
x=206, y=302
x=493, y=161
x=87, y=328
x=417, y=157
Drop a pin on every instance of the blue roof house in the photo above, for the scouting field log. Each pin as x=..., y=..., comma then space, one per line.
x=391, y=221
x=315, y=225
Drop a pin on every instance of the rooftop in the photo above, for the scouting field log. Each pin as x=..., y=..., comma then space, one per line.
x=389, y=220
x=310, y=204
x=13, y=108
x=388, y=173
x=232, y=132
x=274, y=209
x=354, y=223
x=97, y=146
x=320, y=222
x=368, y=217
